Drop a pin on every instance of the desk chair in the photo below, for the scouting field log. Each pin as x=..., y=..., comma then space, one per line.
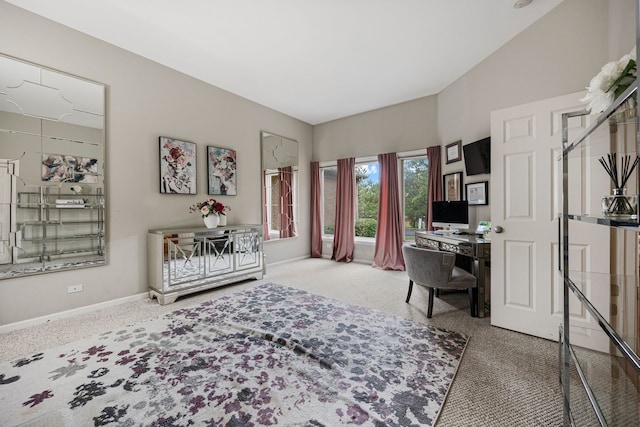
x=436, y=270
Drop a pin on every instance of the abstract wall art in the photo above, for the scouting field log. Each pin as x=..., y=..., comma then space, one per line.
x=67, y=168
x=177, y=166
x=221, y=168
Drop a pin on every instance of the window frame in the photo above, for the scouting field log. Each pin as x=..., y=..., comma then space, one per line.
x=401, y=157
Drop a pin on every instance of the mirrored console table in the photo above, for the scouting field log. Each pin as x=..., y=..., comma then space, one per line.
x=182, y=261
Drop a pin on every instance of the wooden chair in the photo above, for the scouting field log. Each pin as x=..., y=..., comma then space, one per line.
x=436, y=270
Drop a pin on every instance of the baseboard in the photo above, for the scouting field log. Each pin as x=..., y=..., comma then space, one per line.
x=68, y=313
x=356, y=260
x=269, y=264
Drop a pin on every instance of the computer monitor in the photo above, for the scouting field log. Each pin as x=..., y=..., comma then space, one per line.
x=450, y=215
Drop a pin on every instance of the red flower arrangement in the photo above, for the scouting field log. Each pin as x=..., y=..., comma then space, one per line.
x=209, y=207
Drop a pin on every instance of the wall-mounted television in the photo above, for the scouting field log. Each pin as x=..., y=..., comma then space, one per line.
x=477, y=157
x=450, y=215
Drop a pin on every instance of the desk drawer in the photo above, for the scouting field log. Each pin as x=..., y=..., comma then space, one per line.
x=426, y=243
x=457, y=249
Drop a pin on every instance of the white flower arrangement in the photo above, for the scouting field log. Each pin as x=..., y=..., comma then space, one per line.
x=613, y=79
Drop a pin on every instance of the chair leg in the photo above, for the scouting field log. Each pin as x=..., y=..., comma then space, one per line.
x=410, y=289
x=473, y=301
x=430, y=308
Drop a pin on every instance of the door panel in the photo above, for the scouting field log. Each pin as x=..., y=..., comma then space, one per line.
x=526, y=194
x=520, y=286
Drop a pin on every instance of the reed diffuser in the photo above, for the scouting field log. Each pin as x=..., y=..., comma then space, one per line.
x=619, y=204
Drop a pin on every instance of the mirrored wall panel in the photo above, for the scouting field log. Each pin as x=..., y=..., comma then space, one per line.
x=280, y=186
x=52, y=152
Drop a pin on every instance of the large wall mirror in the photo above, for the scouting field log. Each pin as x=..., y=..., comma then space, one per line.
x=52, y=152
x=279, y=186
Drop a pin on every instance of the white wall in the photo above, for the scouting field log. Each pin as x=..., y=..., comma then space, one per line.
x=145, y=101
x=556, y=55
x=402, y=127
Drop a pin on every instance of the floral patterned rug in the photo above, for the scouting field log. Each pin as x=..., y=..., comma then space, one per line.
x=270, y=355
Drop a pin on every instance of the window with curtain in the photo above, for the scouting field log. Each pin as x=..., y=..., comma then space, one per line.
x=413, y=183
x=415, y=180
x=367, y=187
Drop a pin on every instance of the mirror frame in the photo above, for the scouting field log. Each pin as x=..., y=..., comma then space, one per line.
x=69, y=113
x=288, y=160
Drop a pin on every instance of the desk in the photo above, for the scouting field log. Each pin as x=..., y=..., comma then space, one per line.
x=466, y=245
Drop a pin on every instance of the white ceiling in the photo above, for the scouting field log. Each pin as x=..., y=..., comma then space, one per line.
x=315, y=60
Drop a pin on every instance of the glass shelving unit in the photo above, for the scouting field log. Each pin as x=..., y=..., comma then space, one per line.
x=599, y=344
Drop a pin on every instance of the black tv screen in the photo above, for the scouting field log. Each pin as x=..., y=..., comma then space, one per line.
x=477, y=157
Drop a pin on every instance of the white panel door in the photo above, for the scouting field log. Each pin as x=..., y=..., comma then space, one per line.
x=526, y=181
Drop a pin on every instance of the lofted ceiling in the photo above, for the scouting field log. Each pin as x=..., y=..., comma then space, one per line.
x=315, y=60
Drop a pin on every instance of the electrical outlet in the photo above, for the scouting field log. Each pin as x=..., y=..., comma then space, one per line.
x=74, y=288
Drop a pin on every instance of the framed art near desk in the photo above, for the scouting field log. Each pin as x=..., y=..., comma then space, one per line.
x=452, y=187
x=454, y=152
x=477, y=193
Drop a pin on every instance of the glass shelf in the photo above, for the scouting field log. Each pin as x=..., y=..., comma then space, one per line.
x=65, y=238
x=628, y=224
x=61, y=253
x=60, y=223
x=622, y=113
x=605, y=378
x=623, y=336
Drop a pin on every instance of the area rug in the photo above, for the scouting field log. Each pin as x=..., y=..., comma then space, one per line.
x=270, y=355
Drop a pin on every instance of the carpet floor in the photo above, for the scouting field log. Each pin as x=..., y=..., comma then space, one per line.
x=270, y=355
x=504, y=379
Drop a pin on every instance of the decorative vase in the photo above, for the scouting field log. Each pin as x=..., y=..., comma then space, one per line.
x=211, y=220
x=620, y=205
x=223, y=220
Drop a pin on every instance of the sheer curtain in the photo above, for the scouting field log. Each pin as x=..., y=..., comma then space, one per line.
x=434, y=191
x=287, y=227
x=388, y=249
x=316, y=213
x=344, y=236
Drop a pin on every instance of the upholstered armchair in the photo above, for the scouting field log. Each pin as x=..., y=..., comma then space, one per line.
x=436, y=270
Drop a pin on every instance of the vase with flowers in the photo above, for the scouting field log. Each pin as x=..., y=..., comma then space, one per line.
x=211, y=211
x=612, y=80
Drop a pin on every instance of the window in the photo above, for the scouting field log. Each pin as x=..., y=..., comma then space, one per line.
x=274, y=202
x=329, y=177
x=367, y=189
x=272, y=195
x=415, y=177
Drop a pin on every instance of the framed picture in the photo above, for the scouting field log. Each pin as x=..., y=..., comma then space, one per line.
x=477, y=193
x=177, y=166
x=221, y=171
x=454, y=152
x=67, y=168
x=452, y=187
